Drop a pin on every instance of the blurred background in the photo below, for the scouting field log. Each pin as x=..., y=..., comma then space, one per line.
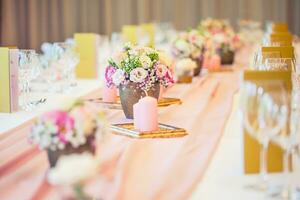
x=28, y=23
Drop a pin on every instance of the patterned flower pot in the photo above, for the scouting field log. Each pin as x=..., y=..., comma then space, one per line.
x=184, y=79
x=227, y=57
x=130, y=95
x=199, y=62
x=53, y=156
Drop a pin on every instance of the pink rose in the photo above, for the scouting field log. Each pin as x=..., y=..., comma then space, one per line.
x=62, y=120
x=85, y=119
x=109, y=72
x=161, y=70
x=169, y=77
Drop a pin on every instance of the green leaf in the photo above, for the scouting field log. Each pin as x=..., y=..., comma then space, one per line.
x=153, y=56
x=131, y=63
x=112, y=63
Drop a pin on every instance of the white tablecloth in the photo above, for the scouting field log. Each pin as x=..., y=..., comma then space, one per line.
x=12, y=120
x=224, y=178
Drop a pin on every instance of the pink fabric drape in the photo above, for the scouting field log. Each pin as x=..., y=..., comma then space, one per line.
x=148, y=168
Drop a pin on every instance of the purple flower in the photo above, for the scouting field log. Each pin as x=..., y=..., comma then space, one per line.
x=109, y=72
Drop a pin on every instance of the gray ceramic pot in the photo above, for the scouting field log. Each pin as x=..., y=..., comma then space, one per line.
x=53, y=156
x=227, y=57
x=199, y=62
x=130, y=95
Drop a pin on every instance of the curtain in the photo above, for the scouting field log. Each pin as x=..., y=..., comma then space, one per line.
x=28, y=23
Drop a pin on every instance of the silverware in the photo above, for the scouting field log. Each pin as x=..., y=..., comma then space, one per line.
x=35, y=103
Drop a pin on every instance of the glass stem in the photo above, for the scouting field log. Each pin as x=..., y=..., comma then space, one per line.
x=263, y=160
x=286, y=172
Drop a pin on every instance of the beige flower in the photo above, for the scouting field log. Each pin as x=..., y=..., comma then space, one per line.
x=72, y=169
x=165, y=59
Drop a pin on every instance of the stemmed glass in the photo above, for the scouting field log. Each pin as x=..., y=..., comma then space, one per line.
x=68, y=59
x=264, y=111
x=281, y=64
x=143, y=37
x=28, y=65
x=288, y=140
x=260, y=58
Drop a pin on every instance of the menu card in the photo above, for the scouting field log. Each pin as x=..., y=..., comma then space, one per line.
x=285, y=51
x=87, y=48
x=9, y=61
x=131, y=33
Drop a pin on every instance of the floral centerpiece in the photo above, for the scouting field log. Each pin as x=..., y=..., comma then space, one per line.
x=250, y=31
x=137, y=71
x=184, y=70
x=190, y=44
x=221, y=39
x=74, y=171
x=73, y=129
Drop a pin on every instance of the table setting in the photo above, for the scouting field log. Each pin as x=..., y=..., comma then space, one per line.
x=152, y=112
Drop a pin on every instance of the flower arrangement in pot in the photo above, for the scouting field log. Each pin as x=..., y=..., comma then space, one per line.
x=76, y=128
x=184, y=69
x=137, y=71
x=221, y=39
x=190, y=44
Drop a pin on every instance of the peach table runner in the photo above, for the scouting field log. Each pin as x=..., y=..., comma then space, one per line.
x=139, y=168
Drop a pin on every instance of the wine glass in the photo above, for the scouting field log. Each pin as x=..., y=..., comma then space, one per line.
x=67, y=60
x=289, y=139
x=264, y=109
x=296, y=75
x=260, y=57
x=143, y=37
x=27, y=65
x=278, y=64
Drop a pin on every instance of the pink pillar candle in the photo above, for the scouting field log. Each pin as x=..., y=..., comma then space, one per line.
x=147, y=115
x=161, y=91
x=206, y=62
x=109, y=94
x=215, y=62
x=136, y=118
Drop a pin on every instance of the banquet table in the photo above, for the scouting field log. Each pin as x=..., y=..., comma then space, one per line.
x=131, y=168
x=205, y=164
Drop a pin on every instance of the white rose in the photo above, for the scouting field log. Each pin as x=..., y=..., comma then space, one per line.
x=183, y=47
x=138, y=75
x=72, y=169
x=185, y=65
x=219, y=38
x=118, y=77
x=145, y=61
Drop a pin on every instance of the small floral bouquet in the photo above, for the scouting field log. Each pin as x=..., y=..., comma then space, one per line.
x=184, y=70
x=140, y=65
x=214, y=26
x=250, y=31
x=188, y=45
x=74, y=171
x=220, y=34
x=74, y=129
x=185, y=66
x=138, y=71
x=221, y=39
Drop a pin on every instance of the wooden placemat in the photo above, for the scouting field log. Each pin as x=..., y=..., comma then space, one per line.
x=163, y=102
x=163, y=131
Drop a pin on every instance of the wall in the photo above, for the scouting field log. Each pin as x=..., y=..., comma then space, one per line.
x=28, y=23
